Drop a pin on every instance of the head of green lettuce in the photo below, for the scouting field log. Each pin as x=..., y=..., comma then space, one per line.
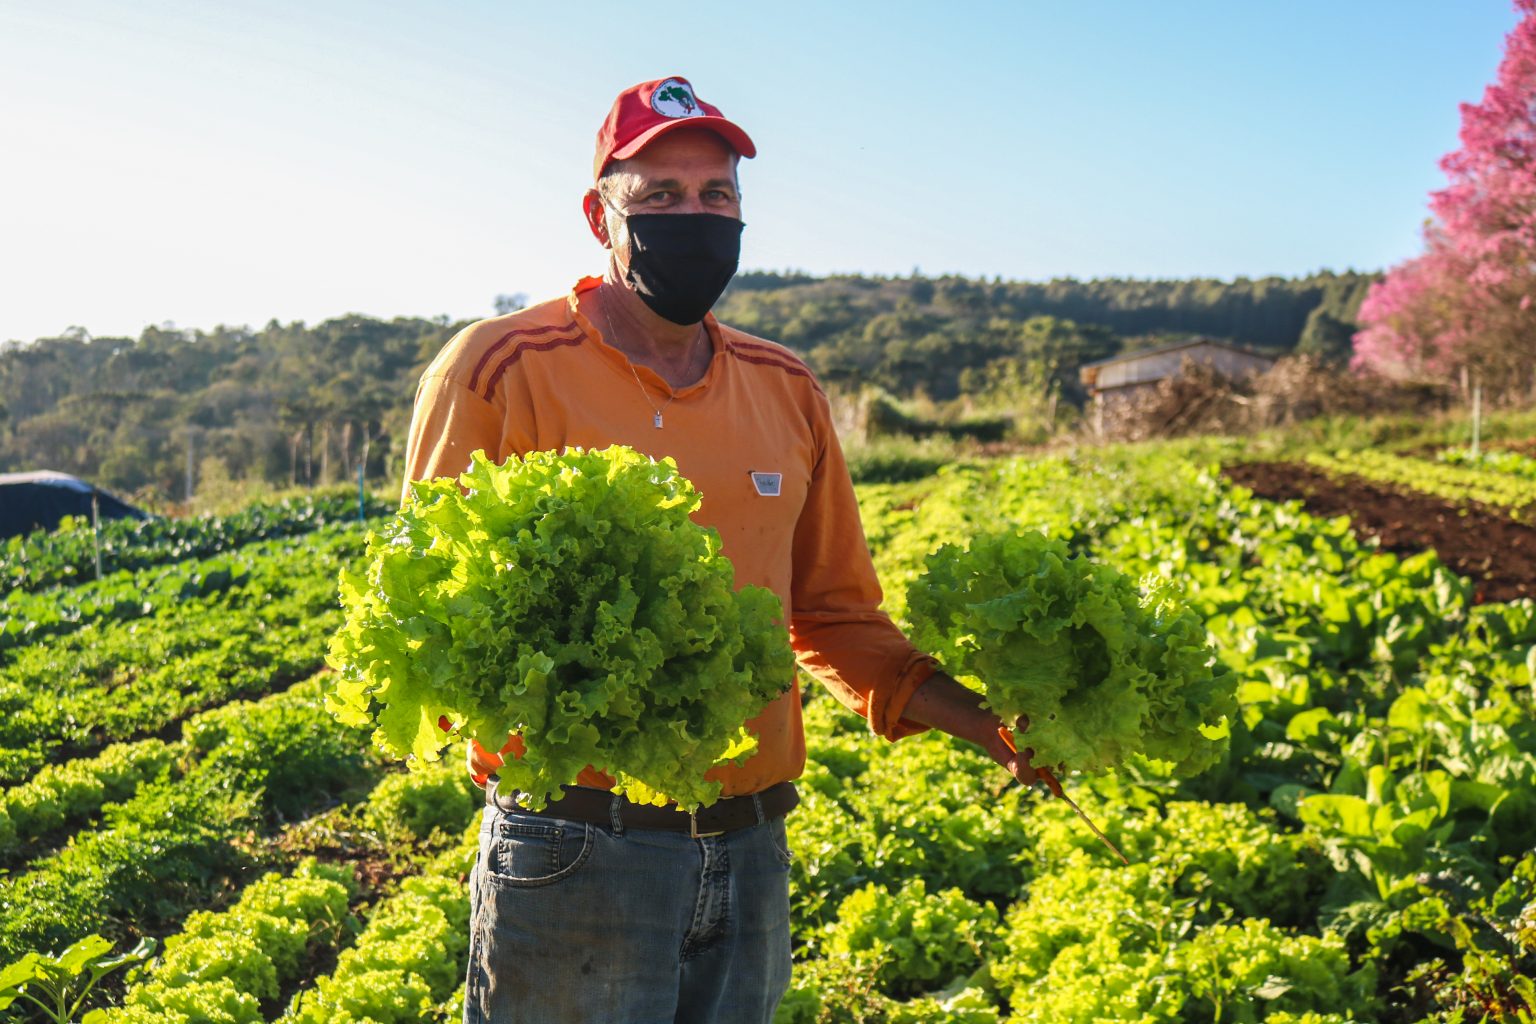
x=569, y=598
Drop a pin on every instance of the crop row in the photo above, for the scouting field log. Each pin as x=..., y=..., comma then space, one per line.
x=194, y=586
x=407, y=961
x=220, y=966
x=1512, y=463
x=1454, y=483
x=28, y=617
x=397, y=959
x=172, y=844
x=65, y=793
x=66, y=556
x=111, y=681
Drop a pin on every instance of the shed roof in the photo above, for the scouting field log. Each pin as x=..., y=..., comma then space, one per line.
x=1141, y=353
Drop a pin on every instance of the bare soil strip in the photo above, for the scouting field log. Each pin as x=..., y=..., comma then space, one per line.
x=1481, y=543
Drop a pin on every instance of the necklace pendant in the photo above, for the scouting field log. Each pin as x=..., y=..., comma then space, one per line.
x=656, y=421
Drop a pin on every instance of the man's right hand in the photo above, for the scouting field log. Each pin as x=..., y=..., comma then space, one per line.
x=480, y=762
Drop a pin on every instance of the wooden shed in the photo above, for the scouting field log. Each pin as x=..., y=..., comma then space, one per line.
x=1112, y=383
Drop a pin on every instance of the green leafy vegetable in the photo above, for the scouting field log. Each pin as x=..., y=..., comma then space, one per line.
x=570, y=599
x=58, y=985
x=911, y=939
x=1103, y=670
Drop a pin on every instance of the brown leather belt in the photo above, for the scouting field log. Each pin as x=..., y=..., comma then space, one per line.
x=583, y=803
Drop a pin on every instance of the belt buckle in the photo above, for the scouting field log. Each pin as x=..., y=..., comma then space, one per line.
x=693, y=828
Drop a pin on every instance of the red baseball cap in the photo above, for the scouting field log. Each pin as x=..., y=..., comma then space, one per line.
x=645, y=111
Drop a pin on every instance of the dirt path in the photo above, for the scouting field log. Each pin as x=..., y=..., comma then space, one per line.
x=1481, y=543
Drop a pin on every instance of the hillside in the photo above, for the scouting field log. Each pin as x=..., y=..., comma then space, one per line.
x=296, y=403
x=905, y=333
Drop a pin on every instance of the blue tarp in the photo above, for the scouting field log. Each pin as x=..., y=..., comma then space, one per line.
x=29, y=501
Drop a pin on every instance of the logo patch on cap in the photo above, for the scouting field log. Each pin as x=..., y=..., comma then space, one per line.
x=674, y=98
x=768, y=484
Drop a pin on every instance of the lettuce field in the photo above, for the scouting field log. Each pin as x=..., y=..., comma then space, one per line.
x=187, y=835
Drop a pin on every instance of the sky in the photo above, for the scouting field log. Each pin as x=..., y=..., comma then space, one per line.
x=202, y=163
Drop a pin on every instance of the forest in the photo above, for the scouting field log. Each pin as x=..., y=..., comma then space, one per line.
x=300, y=404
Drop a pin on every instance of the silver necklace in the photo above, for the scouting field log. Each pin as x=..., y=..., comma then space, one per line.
x=655, y=412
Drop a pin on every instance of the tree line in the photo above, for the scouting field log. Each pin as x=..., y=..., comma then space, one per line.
x=297, y=404
x=288, y=404
x=935, y=334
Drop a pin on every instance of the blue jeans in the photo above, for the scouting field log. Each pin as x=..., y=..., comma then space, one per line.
x=576, y=923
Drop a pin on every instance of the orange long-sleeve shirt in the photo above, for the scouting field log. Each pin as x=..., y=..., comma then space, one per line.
x=544, y=378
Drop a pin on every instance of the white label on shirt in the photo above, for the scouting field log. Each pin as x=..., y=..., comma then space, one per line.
x=768, y=484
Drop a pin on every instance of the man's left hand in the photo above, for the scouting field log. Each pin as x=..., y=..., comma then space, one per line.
x=1018, y=764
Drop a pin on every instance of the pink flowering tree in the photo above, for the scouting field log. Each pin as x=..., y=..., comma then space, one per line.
x=1469, y=300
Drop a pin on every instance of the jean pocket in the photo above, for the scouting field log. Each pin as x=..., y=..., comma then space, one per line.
x=526, y=850
x=780, y=836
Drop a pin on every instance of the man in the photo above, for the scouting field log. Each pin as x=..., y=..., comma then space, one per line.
x=595, y=909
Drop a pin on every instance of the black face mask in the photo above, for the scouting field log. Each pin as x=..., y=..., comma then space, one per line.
x=679, y=263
